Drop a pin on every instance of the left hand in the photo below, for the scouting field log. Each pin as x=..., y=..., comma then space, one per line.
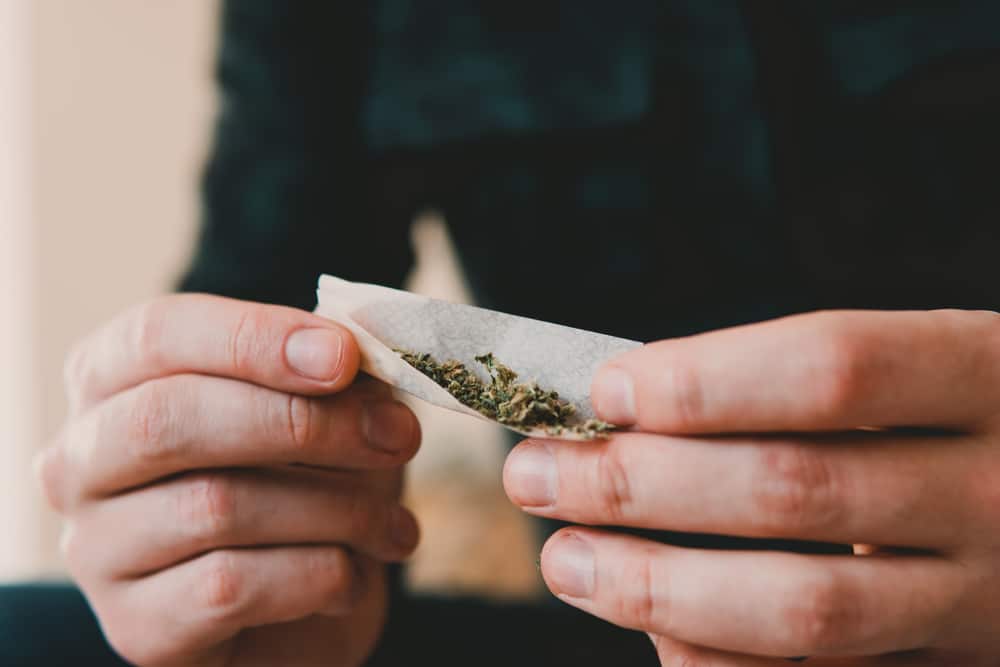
x=868, y=428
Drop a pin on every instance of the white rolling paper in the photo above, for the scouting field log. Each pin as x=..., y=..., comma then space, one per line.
x=382, y=319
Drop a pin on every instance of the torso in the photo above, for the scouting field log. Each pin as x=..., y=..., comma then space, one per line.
x=710, y=162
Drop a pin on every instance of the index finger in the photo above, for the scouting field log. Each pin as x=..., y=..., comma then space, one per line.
x=281, y=348
x=815, y=372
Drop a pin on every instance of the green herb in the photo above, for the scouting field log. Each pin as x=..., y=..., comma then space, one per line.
x=520, y=405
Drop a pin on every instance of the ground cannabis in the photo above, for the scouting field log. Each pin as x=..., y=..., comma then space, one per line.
x=520, y=405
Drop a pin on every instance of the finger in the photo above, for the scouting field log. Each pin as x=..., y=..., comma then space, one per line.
x=203, y=512
x=282, y=348
x=189, y=422
x=347, y=637
x=761, y=603
x=842, y=488
x=204, y=602
x=821, y=371
x=904, y=659
x=673, y=652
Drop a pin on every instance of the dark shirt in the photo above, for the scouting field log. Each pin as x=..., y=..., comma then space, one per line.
x=682, y=165
x=643, y=168
x=647, y=168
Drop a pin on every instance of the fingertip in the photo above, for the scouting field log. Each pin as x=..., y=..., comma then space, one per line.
x=346, y=595
x=326, y=354
x=415, y=433
x=531, y=475
x=350, y=359
x=404, y=531
x=612, y=393
x=549, y=544
x=390, y=427
x=568, y=565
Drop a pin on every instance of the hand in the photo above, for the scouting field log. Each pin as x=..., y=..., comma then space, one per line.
x=230, y=496
x=862, y=428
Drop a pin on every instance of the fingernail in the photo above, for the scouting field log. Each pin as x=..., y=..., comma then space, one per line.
x=569, y=567
x=387, y=426
x=613, y=395
x=403, y=527
x=532, y=477
x=315, y=353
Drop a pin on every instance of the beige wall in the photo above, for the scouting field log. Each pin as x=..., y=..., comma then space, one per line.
x=123, y=108
x=18, y=390
x=104, y=208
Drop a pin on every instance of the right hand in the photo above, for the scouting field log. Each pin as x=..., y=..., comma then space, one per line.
x=231, y=493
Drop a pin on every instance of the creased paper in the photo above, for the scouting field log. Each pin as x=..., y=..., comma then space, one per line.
x=383, y=319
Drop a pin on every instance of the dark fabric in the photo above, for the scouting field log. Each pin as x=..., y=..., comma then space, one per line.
x=468, y=632
x=289, y=188
x=50, y=625
x=685, y=165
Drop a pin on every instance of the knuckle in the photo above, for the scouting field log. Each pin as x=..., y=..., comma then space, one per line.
x=333, y=574
x=641, y=609
x=795, y=490
x=300, y=421
x=222, y=591
x=245, y=344
x=686, y=405
x=150, y=422
x=208, y=505
x=361, y=516
x=819, y=616
x=149, y=325
x=842, y=370
x=614, y=484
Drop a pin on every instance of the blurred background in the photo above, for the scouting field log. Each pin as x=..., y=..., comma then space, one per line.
x=106, y=109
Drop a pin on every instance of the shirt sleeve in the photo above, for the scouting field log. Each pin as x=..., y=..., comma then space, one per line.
x=288, y=192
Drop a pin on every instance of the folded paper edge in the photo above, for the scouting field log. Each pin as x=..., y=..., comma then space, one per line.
x=377, y=358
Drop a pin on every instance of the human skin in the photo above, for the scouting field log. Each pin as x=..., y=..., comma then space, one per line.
x=878, y=429
x=230, y=487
